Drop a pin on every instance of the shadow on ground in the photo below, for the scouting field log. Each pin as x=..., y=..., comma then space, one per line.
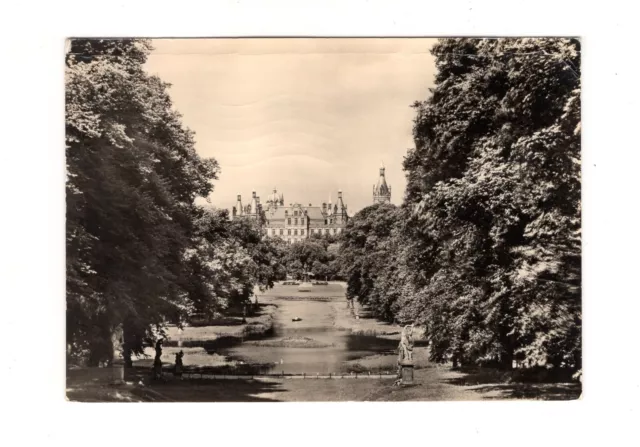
x=518, y=384
x=214, y=391
x=95, y=388
x=538, y=391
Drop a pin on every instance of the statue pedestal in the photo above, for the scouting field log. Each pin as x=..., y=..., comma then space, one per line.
x=117, y=376
x=406, y=372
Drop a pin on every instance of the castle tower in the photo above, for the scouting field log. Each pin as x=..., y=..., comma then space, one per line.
x=381, y=191
x=238, y=210
x=340, y=210
x=253, y=206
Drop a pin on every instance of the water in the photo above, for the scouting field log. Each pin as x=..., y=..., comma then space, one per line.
x=334, y=350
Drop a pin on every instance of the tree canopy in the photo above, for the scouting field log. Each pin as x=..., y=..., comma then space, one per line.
x=369, y=255
x=488, y=248
x=140, y=253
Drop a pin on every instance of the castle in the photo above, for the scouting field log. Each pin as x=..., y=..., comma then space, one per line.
x=296, y=222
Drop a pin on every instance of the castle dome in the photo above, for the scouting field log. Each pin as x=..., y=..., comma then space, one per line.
x=274, y=196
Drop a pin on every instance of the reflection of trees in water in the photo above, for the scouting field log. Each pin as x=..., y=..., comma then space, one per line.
x=371, y=343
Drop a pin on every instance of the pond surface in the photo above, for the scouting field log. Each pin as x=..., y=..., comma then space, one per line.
x=319, y=346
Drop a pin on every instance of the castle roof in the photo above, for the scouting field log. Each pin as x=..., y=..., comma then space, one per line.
x=277, y=214
x=381, y=188
x=314, y=212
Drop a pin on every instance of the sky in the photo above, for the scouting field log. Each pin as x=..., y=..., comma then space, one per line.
x=307, y=116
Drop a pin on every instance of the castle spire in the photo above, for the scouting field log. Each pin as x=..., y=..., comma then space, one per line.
x=381, y=191
x=253, y=206
x=238, y=209
x=340, y=203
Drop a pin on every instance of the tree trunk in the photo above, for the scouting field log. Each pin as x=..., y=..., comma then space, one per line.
x=506, y=360
x=127, y=347
x=100, y=351
x=126, y=354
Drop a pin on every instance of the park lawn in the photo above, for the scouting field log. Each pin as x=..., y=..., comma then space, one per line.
x=263, y=321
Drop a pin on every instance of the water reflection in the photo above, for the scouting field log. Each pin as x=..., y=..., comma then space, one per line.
x=339, y=349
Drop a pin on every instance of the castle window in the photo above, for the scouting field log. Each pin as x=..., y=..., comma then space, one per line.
x=326, y=221
x=289, y=221
x=295, y=213
x=301, y=232
x=289, y=232
x=295, y=232
x=333, y=230
x=296, y=223
x=302, y=221
x=281, y=231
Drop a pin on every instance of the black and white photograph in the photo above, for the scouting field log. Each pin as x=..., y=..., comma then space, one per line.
x=307, y=219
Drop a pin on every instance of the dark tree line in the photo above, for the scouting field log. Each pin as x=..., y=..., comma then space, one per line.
x=316, y=255
x=485, y=251
x=140, y=253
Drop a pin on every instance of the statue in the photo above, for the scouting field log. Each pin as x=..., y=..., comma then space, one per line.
x=178, y=368
x=405, y=354
x=157, y=362
x=405, y=348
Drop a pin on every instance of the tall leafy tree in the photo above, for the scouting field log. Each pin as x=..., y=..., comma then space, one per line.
x=370, y=258
x=132, y=177
x=494, y=190
x=228, y=260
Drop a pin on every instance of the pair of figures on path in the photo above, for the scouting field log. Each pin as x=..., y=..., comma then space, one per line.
x=157, y=362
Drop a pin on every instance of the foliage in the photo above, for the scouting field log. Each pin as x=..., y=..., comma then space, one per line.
x=494, y=189
x=306, y=256
x=371, y=257
x=133, y=175
x=485, y=250
x=140, y=253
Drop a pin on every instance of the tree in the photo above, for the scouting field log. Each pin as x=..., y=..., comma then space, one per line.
x=132, y=177
x=370, y=258
x=301, y=256
x=494, y=190
x=230, y=258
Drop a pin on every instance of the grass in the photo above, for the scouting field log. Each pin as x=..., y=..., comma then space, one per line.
x=292, y=342
x=258, y=324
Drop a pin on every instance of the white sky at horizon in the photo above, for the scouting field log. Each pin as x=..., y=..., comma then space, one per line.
x=308, y=116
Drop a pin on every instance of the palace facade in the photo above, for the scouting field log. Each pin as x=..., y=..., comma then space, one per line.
x=296, y=221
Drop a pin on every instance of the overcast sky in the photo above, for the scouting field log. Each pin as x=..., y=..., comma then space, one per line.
x=308, y=116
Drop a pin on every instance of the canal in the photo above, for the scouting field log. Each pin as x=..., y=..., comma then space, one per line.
x=308, y=336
